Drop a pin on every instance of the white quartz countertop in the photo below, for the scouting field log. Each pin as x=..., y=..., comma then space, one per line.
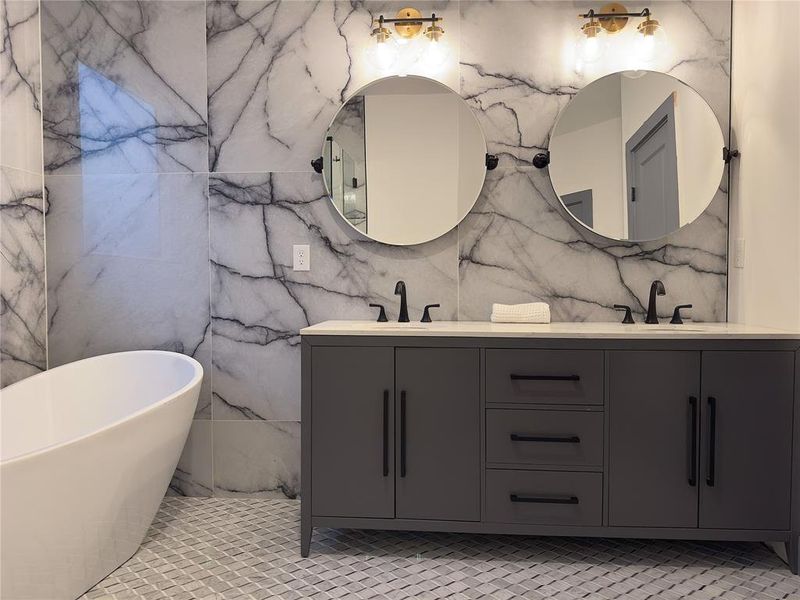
x=689, y=330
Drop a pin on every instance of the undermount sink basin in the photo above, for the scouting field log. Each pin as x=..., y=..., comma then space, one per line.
x=673, y=328
x=398, y=326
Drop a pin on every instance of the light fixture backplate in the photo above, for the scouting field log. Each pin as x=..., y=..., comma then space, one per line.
x=613, y=24
x=408, y=30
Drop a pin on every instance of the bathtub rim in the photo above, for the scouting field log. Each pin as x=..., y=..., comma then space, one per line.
x=196, y=380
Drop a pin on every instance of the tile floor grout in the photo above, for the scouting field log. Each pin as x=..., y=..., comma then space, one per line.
x=232, y=548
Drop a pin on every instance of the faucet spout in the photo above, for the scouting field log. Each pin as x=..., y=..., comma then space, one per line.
x=400, y=289
x=656, y=289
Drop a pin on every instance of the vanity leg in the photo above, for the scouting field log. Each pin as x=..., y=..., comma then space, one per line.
x=306, y=530
x=793, y=553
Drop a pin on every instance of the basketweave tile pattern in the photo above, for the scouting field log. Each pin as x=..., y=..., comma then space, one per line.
x=231, y=548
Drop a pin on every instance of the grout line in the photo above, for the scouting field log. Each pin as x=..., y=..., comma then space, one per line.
x=44, y=192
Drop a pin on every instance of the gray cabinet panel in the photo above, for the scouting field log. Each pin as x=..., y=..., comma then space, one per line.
x=438, y=392
x=746, y=462
x=651, y=446
x=544, y=497
x=544, y=376
x=347, y=450
x=544, y=437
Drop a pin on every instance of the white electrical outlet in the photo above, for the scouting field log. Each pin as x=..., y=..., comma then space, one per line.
x=738, y=253
x=301, y=257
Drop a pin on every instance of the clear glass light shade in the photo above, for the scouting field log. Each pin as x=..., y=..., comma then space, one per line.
x=381, y=55
x=591, y=44
x=434, y=54
x=650, y=40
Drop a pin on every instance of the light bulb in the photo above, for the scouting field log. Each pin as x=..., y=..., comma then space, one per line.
x=650, y=40
x=382, y=55
x=435, y=55
x=592, y=42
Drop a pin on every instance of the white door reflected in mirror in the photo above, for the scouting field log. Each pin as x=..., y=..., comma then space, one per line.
x=636, y=155
x=404, y=160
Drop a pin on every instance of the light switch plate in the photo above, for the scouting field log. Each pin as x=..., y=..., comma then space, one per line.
x=301, y=257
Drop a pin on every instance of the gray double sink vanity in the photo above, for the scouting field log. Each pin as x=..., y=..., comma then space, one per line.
x=571, y=429
x=684, y=431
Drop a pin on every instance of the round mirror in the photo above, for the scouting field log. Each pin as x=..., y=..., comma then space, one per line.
x=636, y=155
x=404, y=160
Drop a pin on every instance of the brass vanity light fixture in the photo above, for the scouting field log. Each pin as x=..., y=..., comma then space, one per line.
x=408, y=24
x=612, y=18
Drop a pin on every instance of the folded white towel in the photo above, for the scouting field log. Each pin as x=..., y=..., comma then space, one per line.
x=532, y=312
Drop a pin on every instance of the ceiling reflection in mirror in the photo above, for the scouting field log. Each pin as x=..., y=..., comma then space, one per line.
x=404, y=160
x=636, y=155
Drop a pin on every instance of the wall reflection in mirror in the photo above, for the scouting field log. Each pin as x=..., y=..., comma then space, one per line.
x=404, y=160
x=636, y=155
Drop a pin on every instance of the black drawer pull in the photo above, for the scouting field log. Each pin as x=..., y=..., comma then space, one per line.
x=515, y=377
x=521, y=437
x=545, y=499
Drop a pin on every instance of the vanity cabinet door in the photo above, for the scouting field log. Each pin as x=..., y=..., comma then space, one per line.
x=654, y=417
x=747, y=440
x=352, y=424
x=438, y=433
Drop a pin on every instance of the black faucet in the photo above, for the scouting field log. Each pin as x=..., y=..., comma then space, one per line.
x=400, y=289
x=656, y=289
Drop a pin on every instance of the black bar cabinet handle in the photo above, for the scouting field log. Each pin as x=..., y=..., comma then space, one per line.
x=521, y=437
x=385, y=433
x=544, y=499
x=712, y=441
x=692, y=441
x=403, y=433
x=515, y=377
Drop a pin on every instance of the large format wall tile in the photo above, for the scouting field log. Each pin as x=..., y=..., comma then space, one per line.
x=257, y=458
x=259, y=303
x=128, y=267
x=194, y=476
x=279, y=70
x=519, y=81
x=20, y=86
x=23, y=318
x=518, y=245
x=124, y=86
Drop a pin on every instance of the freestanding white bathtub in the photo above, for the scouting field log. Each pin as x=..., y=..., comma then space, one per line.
x=88, y=450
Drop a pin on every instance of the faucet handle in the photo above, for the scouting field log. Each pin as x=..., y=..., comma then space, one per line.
x=426, y=315
x=382, y=316
x=676, y=315
x=628, y=319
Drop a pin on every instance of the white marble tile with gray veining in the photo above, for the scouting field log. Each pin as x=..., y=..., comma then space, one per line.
x=278, y=72
x=20, y=86
x=519, y=81
x=260, y=304
x=23, y=314
x=124, y=86
x=257, y=459
x=131, y=270
x=193, y=475
x=519, y=245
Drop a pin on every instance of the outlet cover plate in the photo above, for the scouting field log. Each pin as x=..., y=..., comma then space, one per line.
x=301, y=257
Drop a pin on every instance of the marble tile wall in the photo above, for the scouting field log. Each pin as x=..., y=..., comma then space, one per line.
x=23, y=313
x=160, y=247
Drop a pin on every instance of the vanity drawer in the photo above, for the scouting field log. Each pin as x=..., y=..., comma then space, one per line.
x=544, y=497
x=544, y=376
x=544, y=437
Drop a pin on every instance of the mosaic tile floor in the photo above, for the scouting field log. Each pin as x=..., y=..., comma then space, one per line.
x=226, y=548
